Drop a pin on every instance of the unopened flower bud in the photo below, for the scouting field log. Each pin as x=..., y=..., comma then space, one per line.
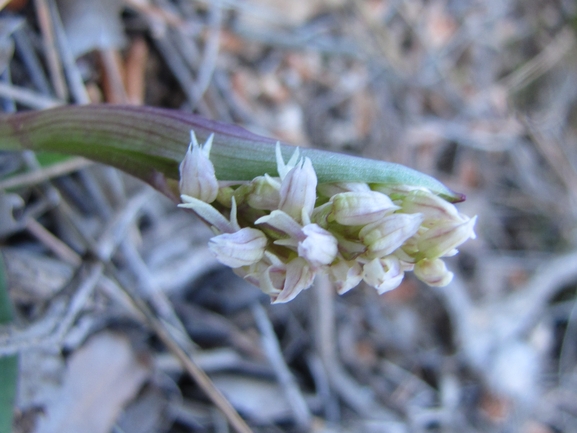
x=433, y=272
x=298, y=191
x=242, y=248
x=360, y=208
x=430, y=205
x=319, y=247
x=386, y=235
x=321, y=214
x=383, y=274
x=265, y=193
x=225, y=195
x=441, y=240
x=197, y=177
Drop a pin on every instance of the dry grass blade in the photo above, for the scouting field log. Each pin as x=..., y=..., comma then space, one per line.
x=210, y=53
x=555, y=51
x=357, y=397
x=135, y=69
x=77, y=88
x=272, y=349
x=59, y=248
x=184, y=356
x=114, y=89
x=28, y=97
x=43, y=174
x=53, y=58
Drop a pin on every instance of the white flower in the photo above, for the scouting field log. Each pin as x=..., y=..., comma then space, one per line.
x=299, y=277
x=433, y=207
x=433, y=272
x=242, y=248
x=282, y=222
x=389, y=233
x=283, y=282
x=442, y=239
x=197, y=177
x=318, y=246
x=383, y=274
x=313, y=243
x=346, y=275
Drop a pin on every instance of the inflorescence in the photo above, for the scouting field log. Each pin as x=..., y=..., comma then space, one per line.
x=279, y=232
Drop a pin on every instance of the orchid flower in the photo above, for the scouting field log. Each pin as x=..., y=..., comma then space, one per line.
x=293, y=229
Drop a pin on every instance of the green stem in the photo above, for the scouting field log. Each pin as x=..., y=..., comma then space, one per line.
x=146, y=142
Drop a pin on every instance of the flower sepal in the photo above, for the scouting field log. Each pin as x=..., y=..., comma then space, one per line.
x=197, y=176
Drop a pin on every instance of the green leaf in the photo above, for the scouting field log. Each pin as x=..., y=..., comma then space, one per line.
x=8, y=364
x=146, y=142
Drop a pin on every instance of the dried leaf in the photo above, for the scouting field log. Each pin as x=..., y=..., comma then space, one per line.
x=100, y=379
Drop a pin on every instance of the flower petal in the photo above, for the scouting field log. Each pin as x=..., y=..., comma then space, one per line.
x=298, y=190
x=281, y=167
x=345, y=275
x=299, y=276
x=319, y=246
x=283, y=222
x=207, y=213
x=430, y=205
x=386, y=235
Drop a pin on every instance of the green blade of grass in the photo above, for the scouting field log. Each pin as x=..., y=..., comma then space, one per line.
x=8, y=364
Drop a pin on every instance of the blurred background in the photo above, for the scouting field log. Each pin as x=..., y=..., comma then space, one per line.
x=480, y=94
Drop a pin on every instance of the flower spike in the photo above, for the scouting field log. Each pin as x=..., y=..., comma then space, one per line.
x=279, y=232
